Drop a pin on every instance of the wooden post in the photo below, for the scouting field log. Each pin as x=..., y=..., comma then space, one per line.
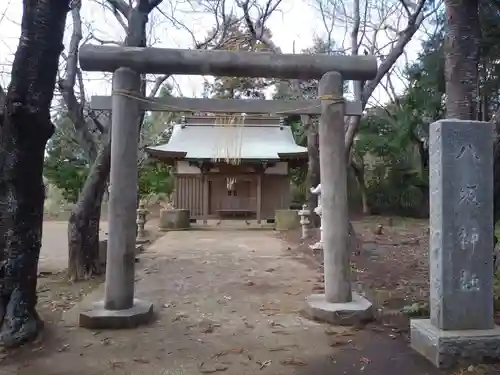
x=259, y=197
x=119, y=288
x=334, y=190
x=206, y=197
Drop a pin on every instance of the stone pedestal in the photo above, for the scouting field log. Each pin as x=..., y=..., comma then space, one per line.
x=174, y=219
x=446, y=349
x=286, y=219
x=358, y=310
x=98, y=317
x=461, y=327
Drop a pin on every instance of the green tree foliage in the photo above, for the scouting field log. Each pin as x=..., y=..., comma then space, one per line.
x=159, y=123
x=66, y=166
x=155, y=179
x=393, y=140
x=395, y=176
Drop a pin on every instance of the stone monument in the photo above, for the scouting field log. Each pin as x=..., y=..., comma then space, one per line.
x=318, y=245
x=461, y=328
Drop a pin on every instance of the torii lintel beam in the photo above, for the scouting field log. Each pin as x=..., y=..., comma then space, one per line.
x=225, y=63
x=249, y=106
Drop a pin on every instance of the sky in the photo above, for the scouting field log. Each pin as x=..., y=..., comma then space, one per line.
x=293, y=28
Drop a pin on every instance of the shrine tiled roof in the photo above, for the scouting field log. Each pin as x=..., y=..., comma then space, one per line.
x=257, y=141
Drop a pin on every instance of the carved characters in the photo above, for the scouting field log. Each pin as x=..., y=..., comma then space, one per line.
x=468, y=195
x=469, y=282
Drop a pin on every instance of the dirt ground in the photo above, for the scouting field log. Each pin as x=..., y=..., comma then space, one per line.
x=230, y=301
x=392, y=269
x=393, y=266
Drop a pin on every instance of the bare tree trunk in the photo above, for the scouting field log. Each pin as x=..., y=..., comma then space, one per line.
x=313, y=176
x=83, y=226
x=462, y=45
x=359, y=173
x=26, y=128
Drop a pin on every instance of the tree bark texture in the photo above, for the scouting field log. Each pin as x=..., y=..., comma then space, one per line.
x=24, y=132
x=359, y=173
x=83, y=226
x=462, y=45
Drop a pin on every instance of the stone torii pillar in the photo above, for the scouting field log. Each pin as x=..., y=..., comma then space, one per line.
x=119, y=309
x=338, y=305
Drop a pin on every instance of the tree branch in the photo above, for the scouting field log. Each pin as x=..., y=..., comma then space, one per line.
x=396, y=51
x=157, y=85
x=153, y=4
x=120, y=6
x=67, y=87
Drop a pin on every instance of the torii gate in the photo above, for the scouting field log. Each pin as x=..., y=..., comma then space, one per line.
x=119, y=308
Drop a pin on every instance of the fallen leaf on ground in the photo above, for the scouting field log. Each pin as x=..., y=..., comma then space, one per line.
x=283, y=348
x=365, y=360
x=226, y=352
x=179, y=316
x=216, y=368
x=293, y=362
x=336, y=343
x=263, y=364
x=209, y=329
x=115, y=364
x=63, y=348
x=272, y=323
x=335, y=331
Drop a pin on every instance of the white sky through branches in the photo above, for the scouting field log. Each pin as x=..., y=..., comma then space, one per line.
x=293, y=28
